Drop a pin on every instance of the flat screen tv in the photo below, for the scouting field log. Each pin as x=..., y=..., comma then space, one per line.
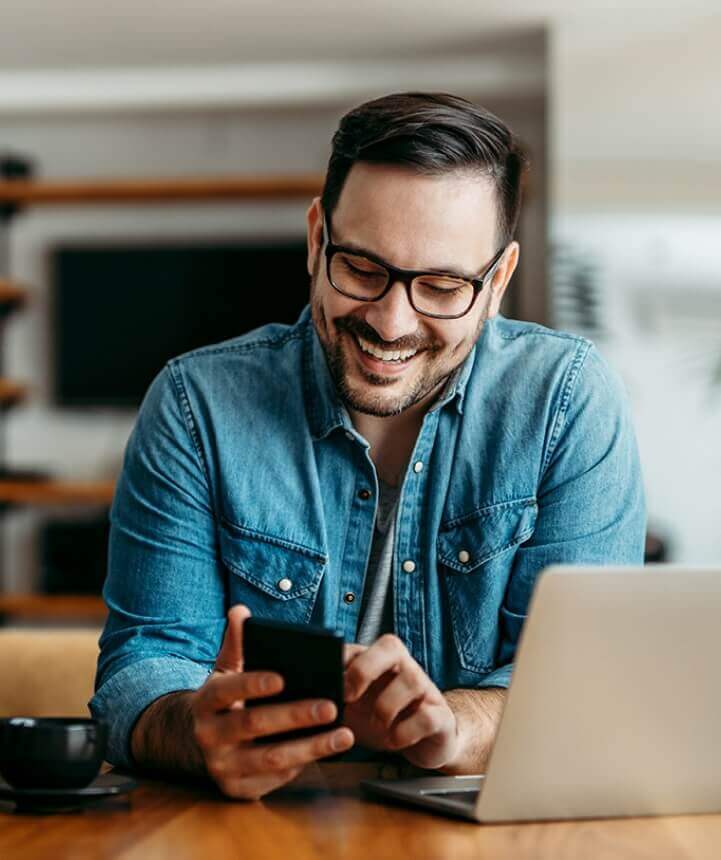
x=121, y=311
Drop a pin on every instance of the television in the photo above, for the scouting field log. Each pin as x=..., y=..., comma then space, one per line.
x=120, y=311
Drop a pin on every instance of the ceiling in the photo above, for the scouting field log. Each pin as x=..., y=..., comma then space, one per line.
x=630, y=82
x=85, y=33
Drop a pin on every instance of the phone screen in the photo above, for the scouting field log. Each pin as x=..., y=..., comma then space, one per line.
x=310, y=659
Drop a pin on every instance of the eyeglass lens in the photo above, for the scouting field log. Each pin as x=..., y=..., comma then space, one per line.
x=365, y=280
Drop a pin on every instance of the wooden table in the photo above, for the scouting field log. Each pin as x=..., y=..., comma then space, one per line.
x=324, y=815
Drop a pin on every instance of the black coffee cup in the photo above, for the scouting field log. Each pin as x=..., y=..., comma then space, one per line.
x=51, y=752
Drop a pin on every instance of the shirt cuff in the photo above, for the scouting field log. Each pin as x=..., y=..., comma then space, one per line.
x=125, y=695
x=500, y=677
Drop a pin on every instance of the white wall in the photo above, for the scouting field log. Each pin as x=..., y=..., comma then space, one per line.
x=635, y=122
x=636, y=182
x=659, y=288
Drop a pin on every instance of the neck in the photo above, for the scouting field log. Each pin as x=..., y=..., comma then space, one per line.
x=393, y=438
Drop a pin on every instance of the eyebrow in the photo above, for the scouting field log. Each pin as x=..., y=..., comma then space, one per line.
x=353, y=246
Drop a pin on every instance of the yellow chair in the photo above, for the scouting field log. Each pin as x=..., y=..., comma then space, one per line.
x=49, y=672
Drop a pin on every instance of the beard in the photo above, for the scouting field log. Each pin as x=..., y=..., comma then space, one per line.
x=374, y=398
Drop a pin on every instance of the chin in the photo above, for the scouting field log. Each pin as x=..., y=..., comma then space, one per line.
x=378, y=409
x=379, y=400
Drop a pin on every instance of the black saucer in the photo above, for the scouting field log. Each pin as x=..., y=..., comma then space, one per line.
x=64, y=799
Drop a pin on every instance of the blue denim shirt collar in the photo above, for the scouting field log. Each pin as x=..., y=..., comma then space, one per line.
x=326, y=412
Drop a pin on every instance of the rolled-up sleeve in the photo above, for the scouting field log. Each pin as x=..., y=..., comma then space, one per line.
x=123, y=697
x=591, y=507
x=165, y=583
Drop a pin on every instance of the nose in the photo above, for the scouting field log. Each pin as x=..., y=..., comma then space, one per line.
x=393, y=316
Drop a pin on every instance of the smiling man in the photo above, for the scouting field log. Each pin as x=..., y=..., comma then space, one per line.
x=398, y=465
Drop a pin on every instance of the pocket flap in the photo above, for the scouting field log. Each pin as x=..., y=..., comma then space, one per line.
x=278, y=567
x=467, y=542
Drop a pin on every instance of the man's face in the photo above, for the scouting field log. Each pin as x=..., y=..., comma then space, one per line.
x=445, y=223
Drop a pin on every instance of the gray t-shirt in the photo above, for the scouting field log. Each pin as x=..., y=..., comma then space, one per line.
x=376, y=614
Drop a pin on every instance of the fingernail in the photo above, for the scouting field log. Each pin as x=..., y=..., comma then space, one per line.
x=268, y=683
x=339, y=741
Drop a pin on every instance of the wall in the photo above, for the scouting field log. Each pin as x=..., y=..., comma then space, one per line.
x=636, y=187
x=658, y=289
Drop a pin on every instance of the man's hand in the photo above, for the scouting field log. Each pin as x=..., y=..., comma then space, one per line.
x=391, y=704
x=226, y=731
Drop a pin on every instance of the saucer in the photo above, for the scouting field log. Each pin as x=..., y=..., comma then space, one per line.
x=64, y=799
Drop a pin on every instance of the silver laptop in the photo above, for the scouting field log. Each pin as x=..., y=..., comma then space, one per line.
x=614, y=708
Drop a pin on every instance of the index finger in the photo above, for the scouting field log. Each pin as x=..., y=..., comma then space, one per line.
x=387, y=654
x=224, y=689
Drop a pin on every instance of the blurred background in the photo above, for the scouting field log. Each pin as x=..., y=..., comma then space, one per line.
x=100, y=282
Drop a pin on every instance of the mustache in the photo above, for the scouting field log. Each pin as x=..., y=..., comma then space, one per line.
x=362, y=329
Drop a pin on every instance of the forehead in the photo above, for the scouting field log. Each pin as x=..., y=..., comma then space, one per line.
x=416, y=221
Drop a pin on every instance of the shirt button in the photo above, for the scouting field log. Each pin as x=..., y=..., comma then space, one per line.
x=364, y=494
x=409, y=566
x=418, y=467
x=285, y=584
x=464, y=556
x=349, y=597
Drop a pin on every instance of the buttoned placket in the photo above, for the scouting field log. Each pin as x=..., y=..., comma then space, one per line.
x=359, y=537
x=409, y=575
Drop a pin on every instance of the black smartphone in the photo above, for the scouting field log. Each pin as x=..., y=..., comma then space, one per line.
x=310, y=659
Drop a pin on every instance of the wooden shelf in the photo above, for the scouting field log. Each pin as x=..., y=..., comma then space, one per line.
x=11, y=393
x=34, y=193
x=12, y=296
x=54, y=492
x=51, y=607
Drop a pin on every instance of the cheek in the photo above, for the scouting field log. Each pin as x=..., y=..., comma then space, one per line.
x=328, y=305
x=337, y=306
x=454, y=337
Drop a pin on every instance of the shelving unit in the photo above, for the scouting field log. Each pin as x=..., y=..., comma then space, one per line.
x=23, y=193
x=50, y=607
x=51, y=492
x=16, y=196
x=11, y=393
x=12, y=296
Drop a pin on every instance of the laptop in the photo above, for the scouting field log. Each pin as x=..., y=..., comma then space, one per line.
x=614, y=707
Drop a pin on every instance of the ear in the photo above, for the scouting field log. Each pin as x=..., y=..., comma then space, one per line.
x=314, y=227
x=501, y=277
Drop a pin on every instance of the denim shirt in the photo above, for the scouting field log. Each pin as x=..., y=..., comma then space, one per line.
x=244, y=480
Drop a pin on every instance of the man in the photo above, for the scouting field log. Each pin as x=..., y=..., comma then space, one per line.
x=398, y=465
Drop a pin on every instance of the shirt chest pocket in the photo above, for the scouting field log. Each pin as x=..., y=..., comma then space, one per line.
x=274, y=578
x=475, y=555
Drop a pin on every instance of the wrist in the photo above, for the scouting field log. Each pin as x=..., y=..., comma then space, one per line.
x=478, y=714
x=163, y=736
x=458, y=753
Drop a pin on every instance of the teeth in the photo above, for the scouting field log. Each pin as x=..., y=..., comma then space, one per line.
x=383, y=355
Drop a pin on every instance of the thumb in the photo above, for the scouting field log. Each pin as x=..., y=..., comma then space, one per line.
x=230, y=656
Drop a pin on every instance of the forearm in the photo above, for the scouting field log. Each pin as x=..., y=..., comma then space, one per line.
x=163, y=739
x=478, y=714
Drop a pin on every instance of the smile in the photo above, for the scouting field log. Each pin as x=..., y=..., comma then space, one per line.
x=394, y=356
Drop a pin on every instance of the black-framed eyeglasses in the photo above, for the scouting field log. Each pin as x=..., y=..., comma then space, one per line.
x=367, y=278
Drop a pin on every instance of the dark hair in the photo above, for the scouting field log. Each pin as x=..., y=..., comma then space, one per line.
x=434, y=133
